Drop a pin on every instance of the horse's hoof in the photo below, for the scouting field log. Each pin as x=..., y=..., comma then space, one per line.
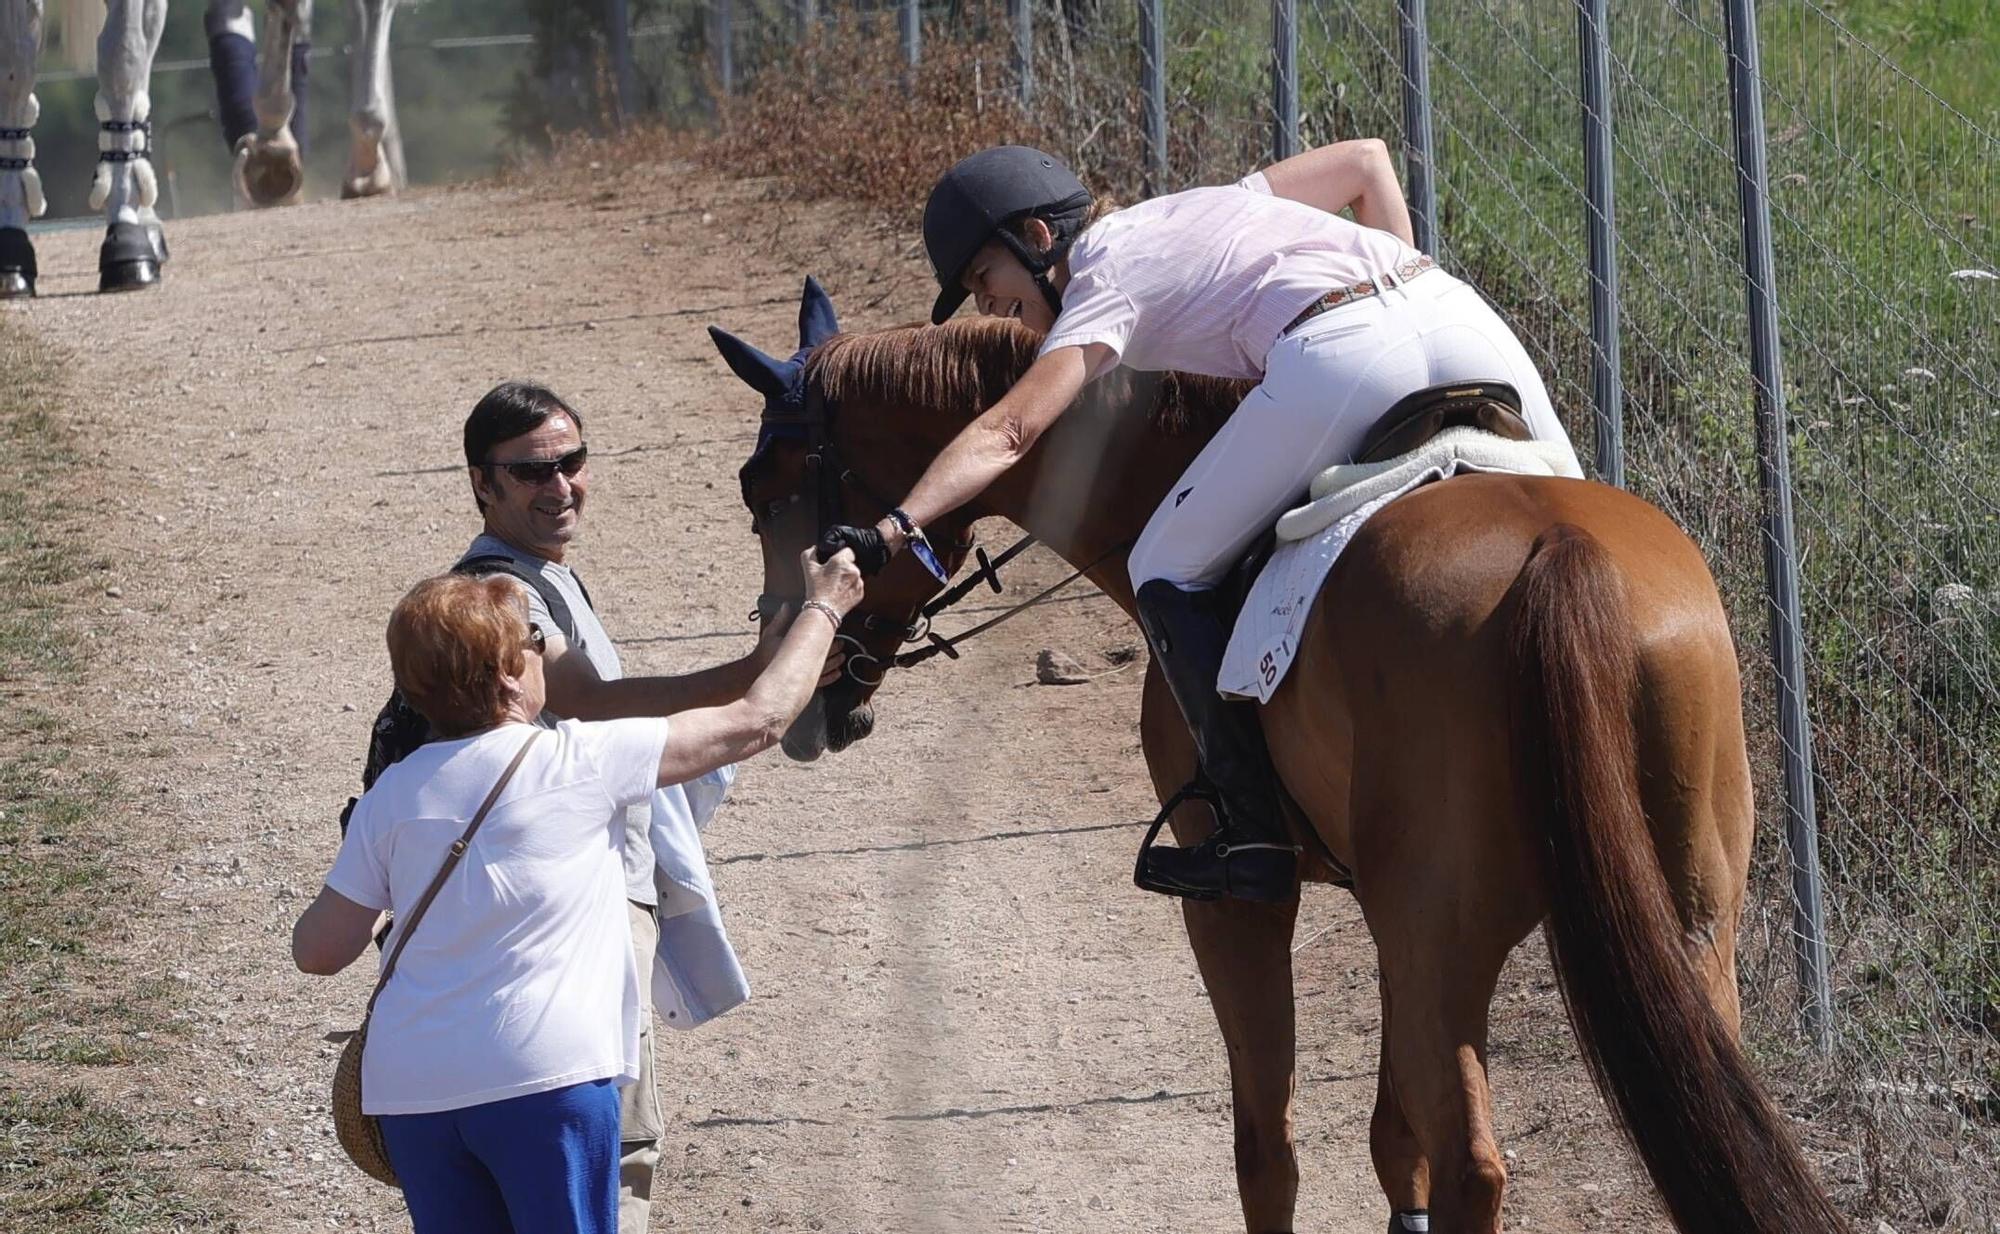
x=377, y=183
x=158, y=235
x=128, y=261
x=270, y=174
x=17, y=264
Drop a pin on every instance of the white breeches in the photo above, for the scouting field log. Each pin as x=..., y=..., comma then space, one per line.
x=1325, y=385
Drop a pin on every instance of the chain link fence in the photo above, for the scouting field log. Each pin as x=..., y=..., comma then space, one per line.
x=1881, y=214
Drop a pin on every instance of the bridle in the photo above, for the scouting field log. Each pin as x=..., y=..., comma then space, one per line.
x=828, y=478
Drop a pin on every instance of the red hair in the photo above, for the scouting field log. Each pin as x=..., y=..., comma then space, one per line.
x=450, y=640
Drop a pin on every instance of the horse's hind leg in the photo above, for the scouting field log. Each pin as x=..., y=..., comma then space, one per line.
x=1392, y=1143
x=1244, y=952
x=1440, y=986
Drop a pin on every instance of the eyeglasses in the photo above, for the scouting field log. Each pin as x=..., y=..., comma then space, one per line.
x=537, y=640
x=539, y=471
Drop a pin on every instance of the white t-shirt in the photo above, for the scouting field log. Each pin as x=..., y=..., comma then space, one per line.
x=520, y=978
x=597, y=647
x=1206, y=280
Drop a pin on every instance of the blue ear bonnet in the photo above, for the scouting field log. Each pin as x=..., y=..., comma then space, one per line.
x=782, y=382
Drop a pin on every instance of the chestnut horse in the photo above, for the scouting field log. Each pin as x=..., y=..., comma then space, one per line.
x=1516, y=701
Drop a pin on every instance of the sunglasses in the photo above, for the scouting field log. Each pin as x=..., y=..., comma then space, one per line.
x=537, y=640
x=542, y=470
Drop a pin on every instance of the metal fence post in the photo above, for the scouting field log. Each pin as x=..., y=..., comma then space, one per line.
x=618, y=33
x=1415, y=31
x=912, y=21
x=1022, y=14
x=1153, y=91
x=1774, y=478
x=1607, y=387
x=1284, y=78
x=808, y=12
x=721, y=36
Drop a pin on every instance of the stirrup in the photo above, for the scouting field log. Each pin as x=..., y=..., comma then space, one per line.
x=1142, y=878
x=1147, y=878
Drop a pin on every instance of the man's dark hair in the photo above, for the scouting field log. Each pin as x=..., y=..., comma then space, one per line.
x=509, y=410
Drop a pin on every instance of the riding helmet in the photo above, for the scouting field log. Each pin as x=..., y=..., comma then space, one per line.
x=980, y=197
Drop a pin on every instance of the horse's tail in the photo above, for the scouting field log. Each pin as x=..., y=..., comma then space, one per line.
x=1670, y=1067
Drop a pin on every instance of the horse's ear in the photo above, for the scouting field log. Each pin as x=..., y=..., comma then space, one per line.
x=765, y=375
x=817, y=323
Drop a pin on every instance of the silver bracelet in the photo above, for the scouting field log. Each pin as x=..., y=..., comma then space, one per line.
x=832, y=614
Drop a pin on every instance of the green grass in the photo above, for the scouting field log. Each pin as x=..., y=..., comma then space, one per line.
x=68, y=1162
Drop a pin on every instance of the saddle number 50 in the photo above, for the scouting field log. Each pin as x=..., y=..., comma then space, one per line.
x=1268, y=667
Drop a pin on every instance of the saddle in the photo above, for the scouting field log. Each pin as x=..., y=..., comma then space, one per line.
x=1490, y=406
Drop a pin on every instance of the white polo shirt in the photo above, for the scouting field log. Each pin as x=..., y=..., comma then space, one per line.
x=520, y=977
x=1206, y=280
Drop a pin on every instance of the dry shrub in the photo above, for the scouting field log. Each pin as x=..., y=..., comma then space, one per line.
x=841, y=116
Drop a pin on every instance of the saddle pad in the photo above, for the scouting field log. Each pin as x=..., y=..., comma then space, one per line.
x=1312, y=537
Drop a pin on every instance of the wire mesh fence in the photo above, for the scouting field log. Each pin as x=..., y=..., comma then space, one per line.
x=1881, y=214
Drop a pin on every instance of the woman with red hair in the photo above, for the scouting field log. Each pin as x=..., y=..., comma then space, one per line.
x=496, y=1048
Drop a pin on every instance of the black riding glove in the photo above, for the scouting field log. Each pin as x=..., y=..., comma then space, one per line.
x=870, y=553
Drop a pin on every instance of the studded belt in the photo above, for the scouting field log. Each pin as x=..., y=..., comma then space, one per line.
x=1342, y=295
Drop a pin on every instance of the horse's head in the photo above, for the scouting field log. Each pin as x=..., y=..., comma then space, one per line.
x=805, y=475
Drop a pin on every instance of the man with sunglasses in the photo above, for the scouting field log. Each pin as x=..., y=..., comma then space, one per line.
x=530, y=474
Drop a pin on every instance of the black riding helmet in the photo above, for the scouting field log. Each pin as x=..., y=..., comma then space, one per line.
x=981, y=197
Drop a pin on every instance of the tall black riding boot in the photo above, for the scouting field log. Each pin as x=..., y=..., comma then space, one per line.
x=1249, y=857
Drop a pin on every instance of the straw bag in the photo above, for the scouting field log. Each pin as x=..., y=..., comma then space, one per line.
x=360, y=1134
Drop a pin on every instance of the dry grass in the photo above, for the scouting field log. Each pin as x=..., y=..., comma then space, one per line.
x=68, y=1161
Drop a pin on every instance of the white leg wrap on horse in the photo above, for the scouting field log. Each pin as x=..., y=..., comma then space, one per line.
x=20, y=42
x=124, y=186
x=17, y=165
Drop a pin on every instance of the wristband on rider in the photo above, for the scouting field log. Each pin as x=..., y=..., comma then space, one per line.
x=919, y=544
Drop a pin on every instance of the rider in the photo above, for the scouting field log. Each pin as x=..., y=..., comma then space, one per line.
x=1262, y=279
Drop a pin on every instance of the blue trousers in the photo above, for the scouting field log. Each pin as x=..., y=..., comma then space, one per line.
x=546, y=1163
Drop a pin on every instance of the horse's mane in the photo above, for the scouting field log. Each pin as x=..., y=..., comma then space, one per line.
x=965, y=366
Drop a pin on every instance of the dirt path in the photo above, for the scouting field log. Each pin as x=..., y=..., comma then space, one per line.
x=965, y=1017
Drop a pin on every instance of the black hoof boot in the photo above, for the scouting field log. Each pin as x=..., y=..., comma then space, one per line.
x=128, y=261
x=1227, y=864
x=17, y=264
x=158, y=234
x=1415, y=1221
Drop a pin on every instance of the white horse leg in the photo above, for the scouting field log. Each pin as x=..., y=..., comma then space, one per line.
x=375, y=160
x=270, y=166
x=232, y=58
x=124, y=187
x=20, y=187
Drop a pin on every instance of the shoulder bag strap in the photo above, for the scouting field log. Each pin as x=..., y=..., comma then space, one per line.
x=458, y=848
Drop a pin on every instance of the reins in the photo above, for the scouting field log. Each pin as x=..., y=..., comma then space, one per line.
x=827, y=475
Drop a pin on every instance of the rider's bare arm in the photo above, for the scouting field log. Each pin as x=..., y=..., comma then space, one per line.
x=1357, y=174
x=984, y=450
x=703, y=739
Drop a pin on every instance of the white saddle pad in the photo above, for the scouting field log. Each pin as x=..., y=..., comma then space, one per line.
x=1312, y=537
